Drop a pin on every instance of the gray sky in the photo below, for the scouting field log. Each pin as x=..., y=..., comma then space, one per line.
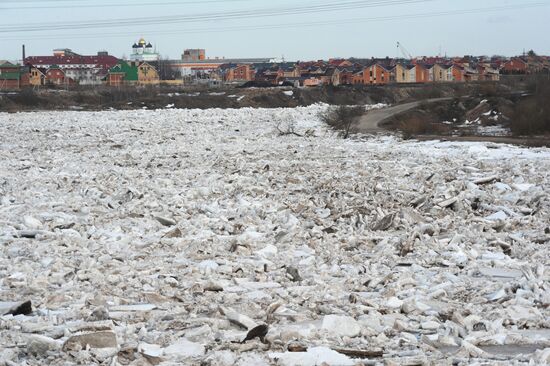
x=309, y=29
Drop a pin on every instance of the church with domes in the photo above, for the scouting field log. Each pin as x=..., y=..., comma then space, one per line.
x=143, y=51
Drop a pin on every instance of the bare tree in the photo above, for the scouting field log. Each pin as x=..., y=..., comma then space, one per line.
x=165, y=70
x=289, y=130
x=532, y=114
x=343, y=118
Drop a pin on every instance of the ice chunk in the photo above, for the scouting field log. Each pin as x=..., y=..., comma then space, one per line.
x=183, y=348
x=341, y=326
x=500, y=215
x=313, y=357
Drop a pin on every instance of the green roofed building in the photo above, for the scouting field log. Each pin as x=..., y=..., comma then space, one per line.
x=10, y=76
x=122, y=73
x=132, y=73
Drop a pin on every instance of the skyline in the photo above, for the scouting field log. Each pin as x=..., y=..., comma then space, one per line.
x=252, y=28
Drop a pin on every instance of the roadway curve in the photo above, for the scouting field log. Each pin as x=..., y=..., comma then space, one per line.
x=370, y=122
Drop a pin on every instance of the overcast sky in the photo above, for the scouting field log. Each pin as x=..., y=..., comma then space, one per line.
x=320, y=29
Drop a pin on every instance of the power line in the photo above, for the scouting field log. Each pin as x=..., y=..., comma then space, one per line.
x=36, y=1
x=257, y=13
x=302, y=24
x=118, y=4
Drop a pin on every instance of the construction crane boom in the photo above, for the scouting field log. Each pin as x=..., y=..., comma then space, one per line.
x=404, y=51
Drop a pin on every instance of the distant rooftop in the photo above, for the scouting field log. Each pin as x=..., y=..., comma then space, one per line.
x=222, y=61
x=63, y=58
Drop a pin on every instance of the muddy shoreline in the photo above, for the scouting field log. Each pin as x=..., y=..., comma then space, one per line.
x=130, y=98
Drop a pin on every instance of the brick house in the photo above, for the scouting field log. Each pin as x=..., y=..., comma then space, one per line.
x=421, y=74
x=376, y=74
x=115, y=78
x=411, y=73
x=122, y=73
x=10, y=81
x=515, y=65
x=358, y=78
x=267, y=76
x=37, y=76
x=480, y=68
x=315, y=70
x=147, y=74
x=244, y=72
x=537, y=64
x=331, y=76
x=7, y=67
x=470, y=74
x=346, y=76
x=490, y=73
x=10, y=76
x=238, y=73
x=455, y=73
x=13, y=76
x=438, y=73
x=400, y=74
x=56, y=76
x=290, y=71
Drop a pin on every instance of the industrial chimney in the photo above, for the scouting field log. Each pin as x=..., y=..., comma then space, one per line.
x=24, y=56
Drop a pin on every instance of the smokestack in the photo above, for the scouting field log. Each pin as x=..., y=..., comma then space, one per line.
x=24, y=56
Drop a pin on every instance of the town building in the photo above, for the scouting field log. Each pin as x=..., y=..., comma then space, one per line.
x=193, y=55
x=332, y=76
x=400, y=74
x=56, y=76
x=346, y=75
x=11, y=76
x=145, y=67
x=411, y=73
x=132, y=73
x=421, y=73
x=376, y=74
x=37, y=76
x=84, y=70
x=516, y=65
x=122, y=73
x=455, y=73
x=143, y=51
x=488, y=72
x=437, y=73
x=237, y=73
x=195, y=65
x=471, y=74
x=147, y=74
x=358, y=78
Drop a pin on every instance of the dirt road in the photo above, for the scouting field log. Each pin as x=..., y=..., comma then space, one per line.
x=371, y=121
x=532, y=141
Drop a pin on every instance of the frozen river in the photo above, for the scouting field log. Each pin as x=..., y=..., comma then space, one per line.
x=164, y=237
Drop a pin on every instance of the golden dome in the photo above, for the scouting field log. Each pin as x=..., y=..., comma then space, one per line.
x=141, y=42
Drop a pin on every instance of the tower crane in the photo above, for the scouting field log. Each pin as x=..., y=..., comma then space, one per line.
x=404, y=51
